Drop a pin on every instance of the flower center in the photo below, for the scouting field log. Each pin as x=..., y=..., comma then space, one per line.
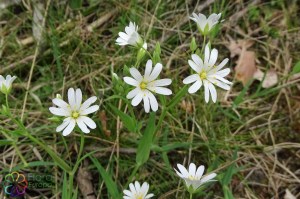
x=75, y=114
x=139, y=196
x=143, y=85
x=203, y=75
x=192, y=177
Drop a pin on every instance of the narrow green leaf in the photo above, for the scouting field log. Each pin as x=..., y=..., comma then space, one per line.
x=178, y=97
x=110, y=184
x=193, y=45
x=129, y=122
x=65, y=187
x=143, y=150
x=296, y=68
x=75, y=4
x=5, y=142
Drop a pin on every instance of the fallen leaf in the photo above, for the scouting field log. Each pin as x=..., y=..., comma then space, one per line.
x=270, y=79
x=289, y=195
x=236, y=48
x=84, y=181
x=246, y=67
x=103, y=120
x=187, y=106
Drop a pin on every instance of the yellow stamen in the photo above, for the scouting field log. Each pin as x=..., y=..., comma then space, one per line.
x=75, y=115
x=143, y=85
x=203, y=75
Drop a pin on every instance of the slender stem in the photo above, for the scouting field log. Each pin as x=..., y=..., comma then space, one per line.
x=81, y=146
x=191, y=195
x=132, y=174
x=203, y=45
x=6, y=101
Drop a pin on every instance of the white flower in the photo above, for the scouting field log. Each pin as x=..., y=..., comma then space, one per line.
x=208, y=74
x=137, y=192
x=194, y=177
x=130, y=37
x=147, y=84
x=206, y=24
x=75, y=112
x=5, y=83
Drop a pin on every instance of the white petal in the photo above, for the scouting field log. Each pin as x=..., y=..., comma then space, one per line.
x=137, y=99
x=206, y=91
x=191, y=78
x=137, y=186
x=222, y=64
x=219, y=83
x=124, y=36
x=131, y=81
x=192, y=169
x=128, y=193
x=153, y=102
x=82, y=125
x=206, y=55
x=71, y=97
x=156, y=71
x=223, y=73
x=223, y=80
x=208, y=177
x=145, y=188
x=62, y=126
x=200, y=171
x=59, y=111
x=183, y=170
x=197, y=60
x=146, y=104
x=148, y=69
x=132, y=188
x=149, y=195
x=136, y=74
x=195, y=87
x=88, y=102
x=78, y=98
x=213, y=57
x=133, y=93
x=89, y=122
x=89, y=110
x=161, y=82
x=161, y=90
x=194, y=66
x=69, y=128
x=213, y=92
x=60, y=103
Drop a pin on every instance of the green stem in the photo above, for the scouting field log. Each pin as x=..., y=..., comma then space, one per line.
x=191, y=195
x=132, y=175
x=203, y=45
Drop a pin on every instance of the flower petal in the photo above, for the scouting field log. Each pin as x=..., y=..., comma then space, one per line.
x=88, y=102
x=71, y=97
x=78, y=98
x=63, y=125
x=59, y=111
x=200, y=171
x=153, y=102
x=208, y=177
x=222, y=64
x=161, y=90
x=137, y=99
x=194, y=66
x=156, y=71
x=69, y=128
x=206, y=55
x=161, y=82
x=148, y=69
x=191, y=79
x=223, y=73
x=146, y=104
x=213, y=92
x=133, y=93
x=192, y=169
x=89, y=110
x=195, y=87
x=206, y=91
x=131, y=81
x=136, y=74
x=213, y=57
x=183, y=170
x=89, y=122
x=82, y=125
x=197, y=60
x=60, y=103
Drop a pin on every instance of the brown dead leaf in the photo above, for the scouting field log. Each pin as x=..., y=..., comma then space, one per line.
x=246, y=67
x=236, y=48
x=187, y=106
x=270, y=80
x=84, y=181
x=103, y=120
